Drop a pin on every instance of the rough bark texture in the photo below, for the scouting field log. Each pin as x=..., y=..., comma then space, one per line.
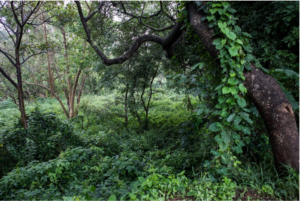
x=266, y=95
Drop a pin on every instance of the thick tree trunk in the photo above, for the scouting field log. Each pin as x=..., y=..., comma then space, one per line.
x=266, y=95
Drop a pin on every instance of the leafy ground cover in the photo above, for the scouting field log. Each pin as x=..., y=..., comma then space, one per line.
x=96, y=156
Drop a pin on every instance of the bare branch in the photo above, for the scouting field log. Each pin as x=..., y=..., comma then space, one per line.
x=10, y=58
x=8, y=77
x=15, y=15
x=24, y=60
x=94, y=12
x=31, y=12
x=157, y=29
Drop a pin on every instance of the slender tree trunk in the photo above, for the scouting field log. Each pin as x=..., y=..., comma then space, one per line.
x=125, y=105
x=50, y=75
x=81, y=89
x=19, y=84
x=266, y=95
x=68, y=69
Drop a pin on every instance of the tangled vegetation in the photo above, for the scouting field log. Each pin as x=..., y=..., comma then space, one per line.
x=142, y=126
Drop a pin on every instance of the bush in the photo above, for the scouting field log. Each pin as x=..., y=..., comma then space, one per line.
x=45, y=137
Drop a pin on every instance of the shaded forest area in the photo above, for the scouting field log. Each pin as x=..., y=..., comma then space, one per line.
x=149, y=100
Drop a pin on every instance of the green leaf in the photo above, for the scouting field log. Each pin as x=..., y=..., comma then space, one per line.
x=200, y=110
x=221, y=11
x=233, y=52
x=232, y=74
x=226, y=138
x=237, y=29
x=249, y=57
x=141, y=179
x=112, y=198
x=239, y=41
x=219, y=106
x=221, y=99
x=222, y=25
x=231, y=10
x=234, y=90
x=216, y=5
x=230, y=100
x=219, y=125
x=246, y=139
x=248, y=67
x=209, y=18
x=246, y=34
x=233, y=81
x=242, y=102
x=238, y=149
x=231, y=117
x=213, y=10
x=231, y=35
x=223, y=146
x=218, y=139
x=223, y=41
x=225, y=4
x=237, y=120
x=225, y=90
x=242, y=88
x=217, y=41
x=213, y=127
x=223, y=52
x=220, y=46
x=246, y=130
x=149, y=183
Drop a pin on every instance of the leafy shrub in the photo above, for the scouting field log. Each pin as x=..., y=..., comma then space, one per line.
x=45, y=137
x=7, y=104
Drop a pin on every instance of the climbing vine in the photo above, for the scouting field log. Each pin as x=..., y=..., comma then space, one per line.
x=222, y=94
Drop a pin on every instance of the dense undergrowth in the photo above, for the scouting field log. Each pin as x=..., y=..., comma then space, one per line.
x=97, y=156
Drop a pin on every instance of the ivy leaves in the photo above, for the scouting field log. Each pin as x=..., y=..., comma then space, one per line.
x=231, y=104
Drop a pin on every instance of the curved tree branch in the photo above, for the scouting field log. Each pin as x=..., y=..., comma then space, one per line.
x=166, y=43
x=9, y=78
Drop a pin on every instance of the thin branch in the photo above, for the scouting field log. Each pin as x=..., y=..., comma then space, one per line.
x=9, y=57
x=56, y=96
x=31, y=12
x=157, y=29
x=94, y=12
x=24, y=60
x=15, y=15
x=8, y=77
x=143, y=17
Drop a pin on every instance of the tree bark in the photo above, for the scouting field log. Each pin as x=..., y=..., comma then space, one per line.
x=266, y=95
x=48, y=61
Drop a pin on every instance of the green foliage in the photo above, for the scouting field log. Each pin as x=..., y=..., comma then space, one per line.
x=275, y=41
x=44, y=139
x=117, y=158
x=222, y=94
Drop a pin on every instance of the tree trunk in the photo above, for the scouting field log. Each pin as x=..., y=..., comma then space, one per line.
x=266, y=95
x=125, y=104
x=48, y=60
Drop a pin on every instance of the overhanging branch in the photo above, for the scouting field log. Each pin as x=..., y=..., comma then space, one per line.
x=166, y=43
